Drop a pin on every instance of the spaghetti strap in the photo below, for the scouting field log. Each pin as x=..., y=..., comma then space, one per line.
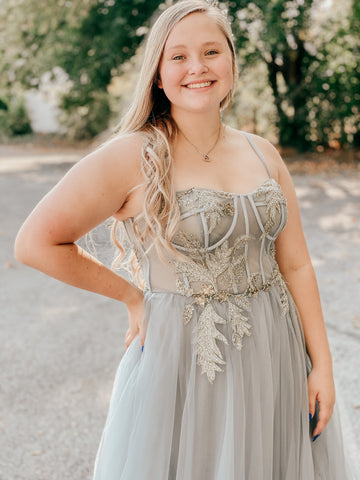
x=257, y=151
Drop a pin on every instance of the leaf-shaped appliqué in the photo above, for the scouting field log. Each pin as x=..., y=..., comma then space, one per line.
x=194, y=271
x=190, y=242
x=274, y=197
x=225, y=272
x=218, y=261
x=188, y=313
x=213, y=219
x=208, y=353
x=202, y=200
x=243, y=302
x=240, y=325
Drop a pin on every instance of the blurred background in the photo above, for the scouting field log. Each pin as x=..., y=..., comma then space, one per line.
x=67, y=67
x=67, y=72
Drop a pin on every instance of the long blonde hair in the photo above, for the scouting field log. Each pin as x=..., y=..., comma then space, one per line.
x=149, y=114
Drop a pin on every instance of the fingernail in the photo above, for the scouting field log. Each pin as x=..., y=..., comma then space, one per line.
x=310, y=417
x=316, y=436
x=142, y=348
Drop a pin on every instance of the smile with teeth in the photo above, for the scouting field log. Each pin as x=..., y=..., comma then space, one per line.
x=199, y=85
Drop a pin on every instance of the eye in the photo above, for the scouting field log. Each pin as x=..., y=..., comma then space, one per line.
x=212, y=52
x=178, y=57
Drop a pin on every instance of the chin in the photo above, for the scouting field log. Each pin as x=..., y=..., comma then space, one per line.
x=197, y=107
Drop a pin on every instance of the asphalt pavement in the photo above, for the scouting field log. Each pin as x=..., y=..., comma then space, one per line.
x=61, y=346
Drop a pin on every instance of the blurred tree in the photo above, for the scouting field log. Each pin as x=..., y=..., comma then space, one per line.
x=311, y=50
x=33, y=34
x=253, y=103
x=274, y=32
x=334, y=81
x=355, y=78
x=312, y=63
x=334, y=88
x=32, y=37
x=277, y=33
x=106, y=38
x=89, y=38
x=14, y=119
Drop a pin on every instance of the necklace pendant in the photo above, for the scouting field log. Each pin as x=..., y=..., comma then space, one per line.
x=206, y=157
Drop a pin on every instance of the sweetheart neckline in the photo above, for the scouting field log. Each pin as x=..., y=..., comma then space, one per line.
x=227, y=194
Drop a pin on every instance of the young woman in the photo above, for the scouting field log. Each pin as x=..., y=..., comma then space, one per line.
x=215, y=383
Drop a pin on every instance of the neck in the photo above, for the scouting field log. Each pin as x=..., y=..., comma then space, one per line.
x=200, y=128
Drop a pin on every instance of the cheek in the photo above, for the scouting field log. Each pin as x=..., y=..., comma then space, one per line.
x=168, y=80
x=228, y=77
x=169, y=77
x=228, y=70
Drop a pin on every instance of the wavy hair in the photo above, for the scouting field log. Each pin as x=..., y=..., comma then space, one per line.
x=149, y=115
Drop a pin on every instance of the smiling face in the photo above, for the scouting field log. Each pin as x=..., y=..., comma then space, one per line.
x=196, y=70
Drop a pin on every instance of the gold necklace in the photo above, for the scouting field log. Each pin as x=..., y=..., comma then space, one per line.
x=205, y=155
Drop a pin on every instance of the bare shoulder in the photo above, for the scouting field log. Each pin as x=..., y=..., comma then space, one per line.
x=266, y=148
x=277, y=167
x=119, y=158
x=271, y=155
x=93, y=190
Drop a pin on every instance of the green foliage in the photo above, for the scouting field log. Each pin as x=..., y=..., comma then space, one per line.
x=33, y=35
x=310, y=54
x=334, y=91
x=14, y=119
x=106, y=38
x=253, y=104
x=276, y=33
x=86, y=116
x=299, y=63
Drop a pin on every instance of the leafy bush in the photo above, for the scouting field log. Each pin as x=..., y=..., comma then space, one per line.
x=14, y=119
x=85, y=116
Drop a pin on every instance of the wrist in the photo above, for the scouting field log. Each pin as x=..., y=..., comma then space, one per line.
x=322, y=363
x=132, y=295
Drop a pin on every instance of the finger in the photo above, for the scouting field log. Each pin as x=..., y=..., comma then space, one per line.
x=312, y=402
x=142, y=335
x=132, y=331
x=129, y=338
x=325, y=413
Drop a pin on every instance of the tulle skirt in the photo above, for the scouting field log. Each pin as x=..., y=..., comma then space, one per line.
x=166, y=421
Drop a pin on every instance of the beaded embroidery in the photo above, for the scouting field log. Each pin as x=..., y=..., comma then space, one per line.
x=273, y=198
x=201, y=200
x=215, y=275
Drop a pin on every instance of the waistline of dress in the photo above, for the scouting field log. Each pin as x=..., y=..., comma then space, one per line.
x=209, y=292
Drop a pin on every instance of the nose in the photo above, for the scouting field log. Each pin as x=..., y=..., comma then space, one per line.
x=197, y=66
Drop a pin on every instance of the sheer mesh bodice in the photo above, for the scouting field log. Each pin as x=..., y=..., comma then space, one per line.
x=228, y=240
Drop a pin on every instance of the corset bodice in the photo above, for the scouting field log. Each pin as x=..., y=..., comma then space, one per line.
x=228, y=240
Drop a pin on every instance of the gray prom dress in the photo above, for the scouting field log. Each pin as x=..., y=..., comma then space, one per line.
x=220, y=389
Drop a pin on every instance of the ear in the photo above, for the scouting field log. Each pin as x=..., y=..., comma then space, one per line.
x=157, y=80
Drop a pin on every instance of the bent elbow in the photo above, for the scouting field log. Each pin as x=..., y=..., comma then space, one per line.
x=25, y=247
x=21, y=249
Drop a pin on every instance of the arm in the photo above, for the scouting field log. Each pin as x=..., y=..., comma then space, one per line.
x=92, y=191
x=295, y=265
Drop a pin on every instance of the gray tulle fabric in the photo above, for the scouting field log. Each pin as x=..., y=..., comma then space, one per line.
x=220, y=390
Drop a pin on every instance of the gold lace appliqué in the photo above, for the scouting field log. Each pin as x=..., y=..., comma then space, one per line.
x=195, y=200
x=211, y=276
x=274, y=197
x=206, y=267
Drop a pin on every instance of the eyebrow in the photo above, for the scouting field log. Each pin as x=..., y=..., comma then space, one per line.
x=212, y=42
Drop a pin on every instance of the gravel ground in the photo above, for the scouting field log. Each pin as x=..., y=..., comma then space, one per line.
x=61, y=346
